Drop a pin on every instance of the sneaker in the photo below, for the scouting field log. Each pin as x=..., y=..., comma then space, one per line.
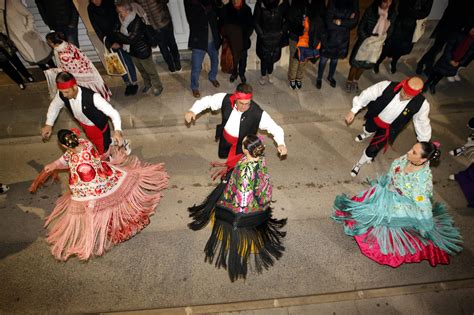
x=457, y=77
x=270, y=79
x=158, y=92
x=451, y=79
x=458, y=151
x=332, y=82
x=318, y=84
x=451, y=177
x=361, y=137
x=146, y=89
x=355, y=170
x=263, y=80
x=293, y=84
x=4, y=188
x=299, y=84
x=243, y=79
x=31, y=79
x=376, y=68
x=22, y=86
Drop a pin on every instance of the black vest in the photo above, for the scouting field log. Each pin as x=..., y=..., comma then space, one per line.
x=374, y=108
x=249, y=122
x=88, y=108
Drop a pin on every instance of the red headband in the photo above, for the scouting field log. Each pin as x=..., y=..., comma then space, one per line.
x=407, y=88
x=66, y=85
x=242, y=96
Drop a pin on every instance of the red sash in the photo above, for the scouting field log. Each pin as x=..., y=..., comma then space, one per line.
x=233, y=157
x=96, y=136
x=382, y=138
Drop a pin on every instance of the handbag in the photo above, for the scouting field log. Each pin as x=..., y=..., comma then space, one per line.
x=227, y=60
x=113, y=63
x=370, y=49
x=419, y=29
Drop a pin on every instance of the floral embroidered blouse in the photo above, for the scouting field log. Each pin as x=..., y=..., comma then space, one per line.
x=249, y=189
x=89, y=176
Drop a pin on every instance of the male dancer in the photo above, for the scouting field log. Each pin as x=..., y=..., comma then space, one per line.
x=89, y=108
x=390, y=106
x=241, y=116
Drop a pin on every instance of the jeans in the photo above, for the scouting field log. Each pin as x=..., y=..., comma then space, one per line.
x=168, y=47
x=332, y=67
x=148, y=71
x=197, y=57
x=131, y=76
x=13, y=67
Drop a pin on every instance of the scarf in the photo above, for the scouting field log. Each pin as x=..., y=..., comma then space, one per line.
x=382, y=23
x=461, y=50
x=123, y=27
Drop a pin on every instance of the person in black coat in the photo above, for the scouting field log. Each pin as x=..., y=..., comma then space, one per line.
x=458, y=51
x=11, y=64
x=104, y=20
x=456, y=16
x=400, y=42
x=340, y=18
x=203, y=38
x=271, y=25
x=235, y=18
x=60, y=16
x=299, y=9
x=134, y=40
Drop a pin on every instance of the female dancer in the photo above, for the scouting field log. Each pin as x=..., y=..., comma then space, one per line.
x=394, y=221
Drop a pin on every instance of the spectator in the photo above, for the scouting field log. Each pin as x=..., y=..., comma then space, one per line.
x=271, y=25
x=20, y=28
x=70, y=59
x=400, y=41
x=203, y=38
x=104, y=19
x=374, y=28
x=132, y=36
x=341, y=17
x=236, y=20
x=160, y=18
x=60, y=16
x=456, y=16
x=297, y=13
x=11, y=64
x=458, y=50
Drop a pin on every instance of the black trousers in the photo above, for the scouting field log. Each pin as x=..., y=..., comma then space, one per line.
x=168, y=47
x=428, y=58
x=240, y=65
x=13, y=68
x=266, y=66
x=375, y=144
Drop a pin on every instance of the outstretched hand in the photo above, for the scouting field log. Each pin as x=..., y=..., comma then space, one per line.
x=189, y=117
x=46, y=132
x=282, y=150
x=349, y=117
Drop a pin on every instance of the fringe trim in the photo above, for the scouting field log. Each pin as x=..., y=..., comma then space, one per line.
x=231, y=246
x=90, y=228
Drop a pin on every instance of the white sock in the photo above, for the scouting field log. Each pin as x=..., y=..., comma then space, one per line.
x=364, y=159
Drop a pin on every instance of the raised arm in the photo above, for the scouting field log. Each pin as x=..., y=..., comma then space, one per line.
x=367, y=95
x=268, y=124
x=214, y=102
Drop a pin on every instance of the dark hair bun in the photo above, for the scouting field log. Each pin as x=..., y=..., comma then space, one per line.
x=430, y=151
x=68, y=138
x=254, y=145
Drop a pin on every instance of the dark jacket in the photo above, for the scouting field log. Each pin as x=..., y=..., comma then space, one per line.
x=58, y=14
x=228, y=15
x=457, y=15
x=296, y=13
x=157, y=12
x=366, y=26
x=400, y=41
x=337, y=42
x=139, y=47
x=443, y=65
x=7, y=48
x=271, y=26
x=104, y=20
x=200, y=15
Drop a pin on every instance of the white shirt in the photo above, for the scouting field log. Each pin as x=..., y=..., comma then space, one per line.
x=421, y=119
x=232, y=127
x=76, y=106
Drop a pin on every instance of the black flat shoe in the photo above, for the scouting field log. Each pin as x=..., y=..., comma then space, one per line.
x=332, y=82
x=243, y=79
x=318, y=84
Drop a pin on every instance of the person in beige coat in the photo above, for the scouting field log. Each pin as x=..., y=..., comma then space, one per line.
x=20, y=28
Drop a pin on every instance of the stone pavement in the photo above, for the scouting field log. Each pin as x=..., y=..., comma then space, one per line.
x=163, y=266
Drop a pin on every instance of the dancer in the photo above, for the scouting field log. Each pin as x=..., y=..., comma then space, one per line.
x=241, y=116
x=69, y=58
x=391, y=105
x=244, y=230
x=89, y=108
x=394, y=221
x=106, y=205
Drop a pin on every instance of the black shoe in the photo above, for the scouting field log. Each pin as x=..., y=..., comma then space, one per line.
x=177, y=66
x=293, y=84
x=393, y=68
x=233, y=77
x=128, y=90
x=318, y=83
x=332, y=82
x=133, y=89
x=171, y=68
x=298, y=84
x=432, y=89
x=376, y=68
x=243, y=79
x=419, y=68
